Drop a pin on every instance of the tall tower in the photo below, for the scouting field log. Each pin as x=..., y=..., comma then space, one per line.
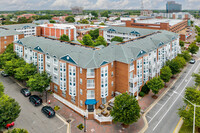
x=142, y=5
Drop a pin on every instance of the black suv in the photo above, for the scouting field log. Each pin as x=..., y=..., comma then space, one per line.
x=25, y=92
x=36, y=100
x=48, y=111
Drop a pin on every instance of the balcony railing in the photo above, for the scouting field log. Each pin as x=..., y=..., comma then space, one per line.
x=90, y=75
x=90, y=85
x=131, y=68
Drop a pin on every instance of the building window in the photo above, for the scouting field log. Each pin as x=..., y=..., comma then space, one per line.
x=73, y=99
x=63, y=93
x=81, y=91
x=81, y=70
x=55, y=88
x=90, y=94
x=81, y=81
x=81, y=102
x=112, y=74
x=112, y=64
x=90, y=83
x=90, y=73
x=112, y=83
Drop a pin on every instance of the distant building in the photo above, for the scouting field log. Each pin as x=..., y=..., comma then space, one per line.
x=27, y=16
x=39, y=22
x=60, y=19
x=77, y=10
x=146, y=12
x=172, y=6
x=56, y=30
x=28, y=29
x=175, y=15
x=7, y=37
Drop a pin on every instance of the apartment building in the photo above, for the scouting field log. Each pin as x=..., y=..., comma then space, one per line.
x=7, y=37
x=56, y=30
x=27, y=29
x=84, y=77
x=125, y=32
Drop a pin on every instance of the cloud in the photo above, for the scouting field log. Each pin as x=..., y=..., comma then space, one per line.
x=91, y=4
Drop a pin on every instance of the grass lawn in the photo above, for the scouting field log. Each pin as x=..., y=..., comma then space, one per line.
x=186, y=129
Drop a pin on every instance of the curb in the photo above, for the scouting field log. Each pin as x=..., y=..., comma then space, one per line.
x=178, y=126
x=157, y=100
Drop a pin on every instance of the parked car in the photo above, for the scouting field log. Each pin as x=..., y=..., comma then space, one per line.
x=36, y=100
x=192, y=61
x=10, y=125
x=4, y=74
x=48, y=111
x=25, y=92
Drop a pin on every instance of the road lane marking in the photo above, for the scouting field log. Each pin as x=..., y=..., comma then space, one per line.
x=173, y=93
x=159, y=104
x=174, y=100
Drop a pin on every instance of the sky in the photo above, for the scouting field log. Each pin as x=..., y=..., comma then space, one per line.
x=91, y=4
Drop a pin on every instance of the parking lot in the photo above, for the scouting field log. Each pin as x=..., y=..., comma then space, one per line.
x=31, y=117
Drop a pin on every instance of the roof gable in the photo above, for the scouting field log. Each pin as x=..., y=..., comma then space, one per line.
x=68, y=59
x=134, y=32
x=142, y=52
x=103, y=63
x=111, y=29
x=38, y=49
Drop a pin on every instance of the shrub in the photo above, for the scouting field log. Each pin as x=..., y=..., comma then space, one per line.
x=56, y=108
x=145, y=89
x=80, y=126
x=141, y=94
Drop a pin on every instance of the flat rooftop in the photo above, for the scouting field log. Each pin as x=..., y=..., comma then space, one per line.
x=60, y=26
x=171, y=22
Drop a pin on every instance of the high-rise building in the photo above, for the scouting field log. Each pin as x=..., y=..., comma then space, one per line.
x=172, y=6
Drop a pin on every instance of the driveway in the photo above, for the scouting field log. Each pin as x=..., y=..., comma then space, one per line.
x=31, y=117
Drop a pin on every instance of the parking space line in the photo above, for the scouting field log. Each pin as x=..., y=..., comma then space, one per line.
x=148, y=116
x=159, y=104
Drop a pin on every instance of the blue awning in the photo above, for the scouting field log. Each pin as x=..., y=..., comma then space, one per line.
x=90, y=102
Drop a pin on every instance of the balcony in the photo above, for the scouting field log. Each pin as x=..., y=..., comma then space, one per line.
x=90, y=85
x=133, y=80
x=133, y=89
x=131, y=68
x=90, y=75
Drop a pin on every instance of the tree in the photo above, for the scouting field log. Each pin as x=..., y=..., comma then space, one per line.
x=193, y=95
x=94, y=34
x=84, y=21
x=94, y=13
x=9, y=48
x=70, y=19
x=117, y=39
x=126, y=109
x=102, y=23
x=104, y=14
x=145, y=89
x=87, y=40
x=64, y=38
x=166, y=74
x=22, y=73
x=52, y=21
x=6, y=57
x=196, y=78
x=1, y=89
x=9, y=110
x=181, y=43
x=186, y=55
x=198, y=39
x=174, y=66
x=155, y=84
x=181, y=61
x=11, y=65
x=100, y=41
x=17, y=130
x=193, y=48
x=39, y=82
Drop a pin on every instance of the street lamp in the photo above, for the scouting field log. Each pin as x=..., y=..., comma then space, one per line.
x=194, y=110
x=84, y=123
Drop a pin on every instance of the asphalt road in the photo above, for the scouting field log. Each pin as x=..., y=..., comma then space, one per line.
x=31, y=117
x=163, y=117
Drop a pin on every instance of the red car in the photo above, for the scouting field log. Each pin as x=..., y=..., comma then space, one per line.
x=10, y=125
